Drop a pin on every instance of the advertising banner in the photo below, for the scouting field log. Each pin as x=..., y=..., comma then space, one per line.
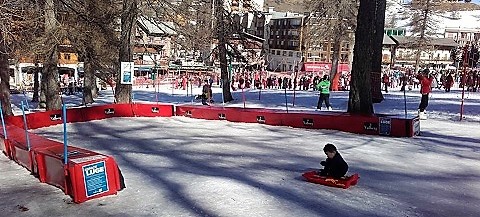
x=126, y=72
x=95, y=178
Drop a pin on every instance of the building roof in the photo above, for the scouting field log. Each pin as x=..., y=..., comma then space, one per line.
x=152, y=27
x=387, y=40
x=404, y=40
x=285, y=15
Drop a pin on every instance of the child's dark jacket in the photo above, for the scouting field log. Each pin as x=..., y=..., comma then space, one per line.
x=335, y=167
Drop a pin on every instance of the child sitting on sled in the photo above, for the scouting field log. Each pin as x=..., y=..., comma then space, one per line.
x=334, y=166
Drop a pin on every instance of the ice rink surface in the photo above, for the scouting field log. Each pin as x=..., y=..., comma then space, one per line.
x=180, y=166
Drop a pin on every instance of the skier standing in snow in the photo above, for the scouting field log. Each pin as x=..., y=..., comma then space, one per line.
x=334, y=166
x=324, y=88
x=425, y=89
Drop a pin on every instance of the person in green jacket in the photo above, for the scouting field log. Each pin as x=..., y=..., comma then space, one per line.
x=324, y=88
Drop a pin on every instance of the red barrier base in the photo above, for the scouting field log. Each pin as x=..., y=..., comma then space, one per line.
x=88, y=175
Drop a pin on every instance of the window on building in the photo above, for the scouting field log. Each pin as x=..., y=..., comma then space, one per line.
x=290, y=53
x=272, y=52
x=282, y=43
x=295, y=22
x=66, y=56
x=309, y=54
x=284, y=53
x=299, y=54
x=278, y=52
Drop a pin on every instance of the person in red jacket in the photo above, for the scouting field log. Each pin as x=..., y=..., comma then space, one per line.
x=425, y=89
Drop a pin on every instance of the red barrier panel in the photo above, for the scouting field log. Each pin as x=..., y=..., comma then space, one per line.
x=107, y=111
x=399, y=126
x=94, y=177
x=18, y=146
x=75, y=115
x=14, y=120
x=342, y=121
x=333, y=120
x=152, y=110
x=44, y=119
x=202, y=112
x=20, y=154
x=5, y=147
x=88, y=175
x=262, y=116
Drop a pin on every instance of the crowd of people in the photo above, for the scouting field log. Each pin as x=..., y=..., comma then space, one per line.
x=441, y=79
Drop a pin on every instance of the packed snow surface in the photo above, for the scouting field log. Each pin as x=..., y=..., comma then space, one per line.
x=180, y=166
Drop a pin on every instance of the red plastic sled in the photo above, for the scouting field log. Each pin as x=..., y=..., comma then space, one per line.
x=345, y=182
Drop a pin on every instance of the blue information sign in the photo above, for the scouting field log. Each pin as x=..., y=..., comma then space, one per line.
x=95, y=178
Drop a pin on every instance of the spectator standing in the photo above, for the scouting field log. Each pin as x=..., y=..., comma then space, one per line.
x=425, y=89
x=324, y=88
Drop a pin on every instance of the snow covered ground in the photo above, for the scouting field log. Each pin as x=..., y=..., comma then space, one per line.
x=188, y=167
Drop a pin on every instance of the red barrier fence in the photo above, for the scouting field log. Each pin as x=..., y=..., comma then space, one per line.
x=387, y=125
x=88, y=175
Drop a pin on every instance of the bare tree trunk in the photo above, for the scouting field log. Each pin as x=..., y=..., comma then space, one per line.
x=50, y=79
x=43, y=96
x=36, y=82
x=89, y=78
x=222, y=50
x=422, y=39
x=50, y=71
x=4, y=79
x=337, y=44
x=376, y=75
x=36, y=75
x=360, y=98
x=123, y=92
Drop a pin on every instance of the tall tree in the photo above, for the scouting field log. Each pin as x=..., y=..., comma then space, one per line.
x=366, y=42
x=377, y=46
x=332, y=22
x=50, y=71
x=123, y=92
x=18, y=26
x=222, y=49
x=4, y=76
